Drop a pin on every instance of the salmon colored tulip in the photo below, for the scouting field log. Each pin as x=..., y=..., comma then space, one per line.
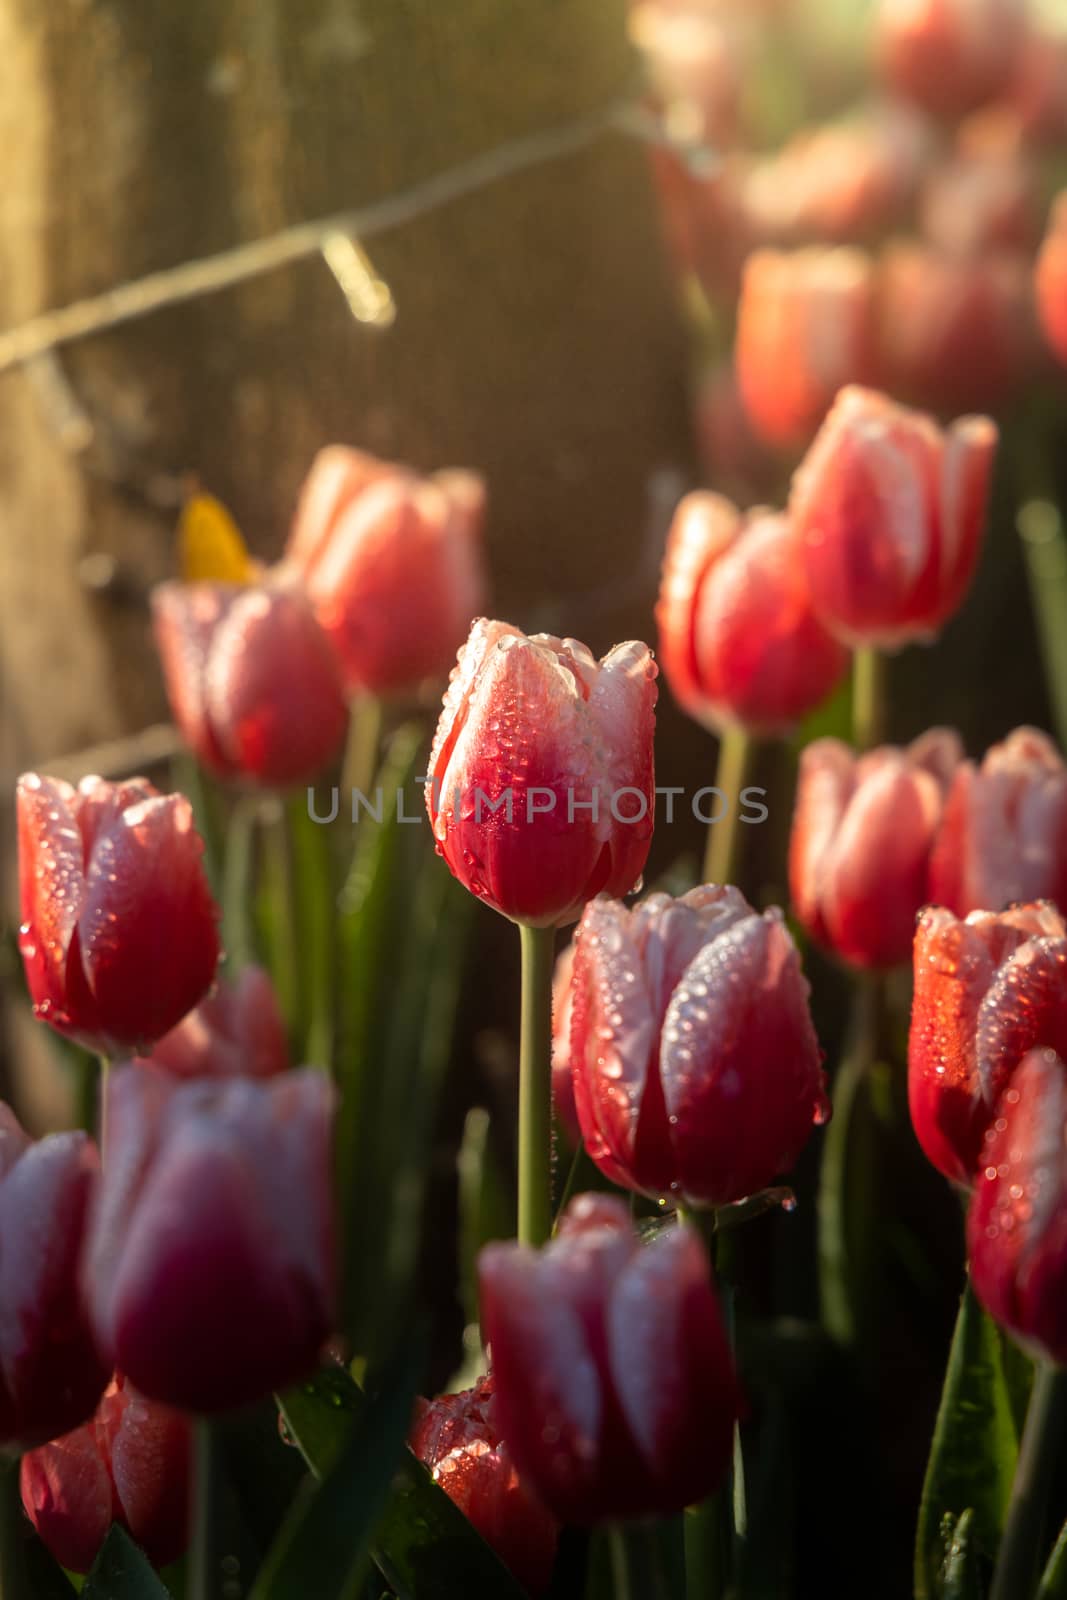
x=1051, y=280
x=739, y=640
x=949, y=55
x=863, y=831
x=51, y=1376
x=1004, y=837
x=210, y=1269
x=457, y=1437
x=696, y=1068
x=119, y=933
x=251, y=679
x=987, y=990
x=130, y=1464
x=393, y=566
x=238, y=1032
x=615, y=1391
x=540, y=786
x=889, y=509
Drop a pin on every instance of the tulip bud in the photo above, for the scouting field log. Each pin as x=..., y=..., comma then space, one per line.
x=955, y=332
x=210, y=1263
x=392, y=564
x=239, y=1031
x=863, y=830
x=457, y=1437
x=738, y=637
x=696, y=1068
x=562, y=1012
x=1004, y=837
x=129, y=1464
x=987, y=990
x=1050, y=282
x=889, y=509
x=50, y=1374
x=540, y=785
x=949, y=55
x=805, y=327
x=615, y=1389
x=1017, y=1225
x=119, y=931
x=252, y=682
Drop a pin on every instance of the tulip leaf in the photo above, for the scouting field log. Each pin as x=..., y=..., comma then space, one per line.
x=974, y=1452
x=314, y=908
x=1053, y=1585
x=486, y=1204
x=963, y=1578
x=423, y=1544
x=122, y=1572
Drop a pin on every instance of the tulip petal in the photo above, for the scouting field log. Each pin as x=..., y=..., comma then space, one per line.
x=186, y=617
x=51, y=892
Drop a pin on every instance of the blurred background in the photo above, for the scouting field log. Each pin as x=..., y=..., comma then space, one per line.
x=518, y=235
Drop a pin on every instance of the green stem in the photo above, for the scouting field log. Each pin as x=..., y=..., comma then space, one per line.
x=535, y=1086
x=869, y=695
x=635, y=1565
x=278, y=870
x=360, y=766
x=14, y=1577
x=709, y=1526
x=1044, y=542
x=86, y=1075
x=845, y=1206
x=1053, y=1585
x=100, y=1081
x=722, y=852
x=206, y=1576
x=1042, y=1442
x=237, y=882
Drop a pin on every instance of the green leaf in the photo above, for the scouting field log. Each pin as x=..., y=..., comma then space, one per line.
x=974, y=1452
x=122, y=1572
x=486, y=1203
x=423, y=1544
x=963, y=1577
x=323, y=1547
x=314, y=911
x=1053, y=1585
x=848, y=1235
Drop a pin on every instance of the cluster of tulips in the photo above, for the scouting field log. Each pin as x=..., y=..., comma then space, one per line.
x=179, y=1259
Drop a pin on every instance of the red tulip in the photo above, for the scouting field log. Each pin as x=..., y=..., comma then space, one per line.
x=50, y=1374
x=119, y=931
x=457, y=1437
x=863, y=831
x=889, y=509
x=239, y=1031
x=987, y=990
x=1050, y=281
x=1004, y=837
x=1017, y=1226
x=696, y=1068
x=615, y=1389
x=738, y=638
x=956, y=332
x=562, y=1012
x=540, y=785
x=392, y=563
x=129, y=1464
x=949, y=55
x=251, y=679
x=805, y=327
x=210, y=1262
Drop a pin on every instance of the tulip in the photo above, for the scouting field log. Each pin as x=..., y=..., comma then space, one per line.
x=129, y=1464
x=704, y=216
x=1017, y=1224
x=1038, y=95
x=251, y=679
x=987, y=990
x=863, y=831
x=50, y=1374
x=805, y=327
x=392, y=564
x=615, y=1389
x=209, y=1268
x=889, y=510
x=956, y=332
x=696, y=1068
x=540, y=785
x=119, y=931
x=239, y=1031
x=562, y=1012
x=1004, y=837
x=457, y=1438
x=738, y=638
x=1050, y=282
x=949, y=56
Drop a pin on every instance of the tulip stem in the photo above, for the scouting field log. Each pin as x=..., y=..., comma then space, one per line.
x=205, y=1551
x=360, y=767
x=869, y=685
x=1042, y=1443
x=237, y=881
x=535, y=1086
x=723, y=852
x=14, y=1577
x=636, y=1570
x=710, y=1526
x=97, y=1125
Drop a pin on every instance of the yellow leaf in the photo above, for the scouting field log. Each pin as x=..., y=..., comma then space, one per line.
x=210, y=547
